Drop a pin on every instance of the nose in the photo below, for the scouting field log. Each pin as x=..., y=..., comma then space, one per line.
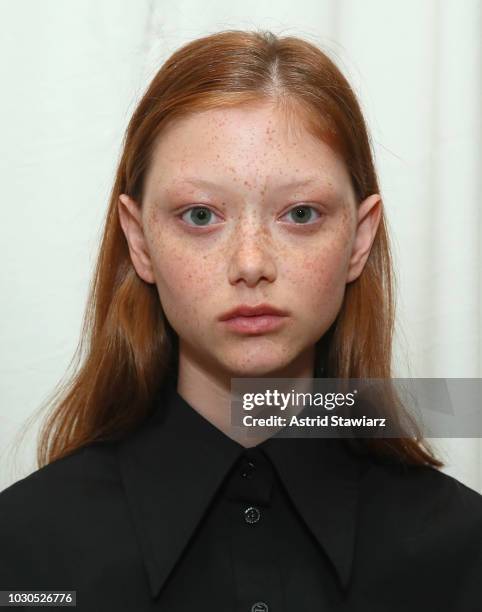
x=251, y=257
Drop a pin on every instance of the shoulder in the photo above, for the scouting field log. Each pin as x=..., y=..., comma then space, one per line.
x=65, y=523
x=426, y=501
x=58, y=490
x=424, y=481
x=411, y=485
x=427, y=525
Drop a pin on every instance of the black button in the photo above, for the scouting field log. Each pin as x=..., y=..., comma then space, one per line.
x=247, y=470
x=259, y=606
x=252, y=514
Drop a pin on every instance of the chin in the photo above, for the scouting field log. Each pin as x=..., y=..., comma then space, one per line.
x=255, y=368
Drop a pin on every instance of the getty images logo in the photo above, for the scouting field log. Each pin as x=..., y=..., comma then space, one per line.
x=281, y=400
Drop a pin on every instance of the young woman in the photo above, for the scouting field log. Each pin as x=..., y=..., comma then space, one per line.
x=246, y=186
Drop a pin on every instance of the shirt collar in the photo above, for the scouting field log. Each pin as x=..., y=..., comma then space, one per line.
x=172, y=465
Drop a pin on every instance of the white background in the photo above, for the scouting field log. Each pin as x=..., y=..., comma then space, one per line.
x=71, y=74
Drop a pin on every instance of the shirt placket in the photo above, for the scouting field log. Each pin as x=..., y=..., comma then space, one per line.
x=256, y=571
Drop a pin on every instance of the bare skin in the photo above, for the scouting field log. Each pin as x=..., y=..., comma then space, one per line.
x=249, y=247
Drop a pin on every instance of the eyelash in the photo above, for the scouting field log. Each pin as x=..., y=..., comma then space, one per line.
x=180, y=215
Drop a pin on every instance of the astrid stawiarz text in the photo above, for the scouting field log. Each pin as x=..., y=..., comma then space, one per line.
x=318, y=421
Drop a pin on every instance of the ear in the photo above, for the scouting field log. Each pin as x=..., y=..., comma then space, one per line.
x=369, y=215
x=131, y=221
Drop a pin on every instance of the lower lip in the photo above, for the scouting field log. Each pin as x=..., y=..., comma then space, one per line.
x=257, y=324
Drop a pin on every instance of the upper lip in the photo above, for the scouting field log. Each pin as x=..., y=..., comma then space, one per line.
x=244, y=310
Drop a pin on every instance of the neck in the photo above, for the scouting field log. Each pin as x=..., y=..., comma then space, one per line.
x=209, y=391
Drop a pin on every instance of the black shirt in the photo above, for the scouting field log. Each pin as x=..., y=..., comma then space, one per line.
x=179, y=517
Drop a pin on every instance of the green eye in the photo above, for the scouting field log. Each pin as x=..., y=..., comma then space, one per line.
x=303, y=214
x=199, y=214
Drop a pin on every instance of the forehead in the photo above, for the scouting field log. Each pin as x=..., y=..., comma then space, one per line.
x=244, y=143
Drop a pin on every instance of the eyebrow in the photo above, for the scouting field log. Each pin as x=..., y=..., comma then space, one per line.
x=200, y=182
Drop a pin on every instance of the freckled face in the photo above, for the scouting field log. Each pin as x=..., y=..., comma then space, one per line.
x=248, y=236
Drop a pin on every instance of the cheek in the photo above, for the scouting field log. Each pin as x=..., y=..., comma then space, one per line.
x=184, y=278
x=319, y=277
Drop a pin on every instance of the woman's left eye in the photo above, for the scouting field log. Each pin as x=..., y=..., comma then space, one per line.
x=303, y=214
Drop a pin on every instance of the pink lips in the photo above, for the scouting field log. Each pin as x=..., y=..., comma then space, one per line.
x=255, y=324
x=254, y=319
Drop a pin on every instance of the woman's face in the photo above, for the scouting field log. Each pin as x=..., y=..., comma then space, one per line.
x=238, y=209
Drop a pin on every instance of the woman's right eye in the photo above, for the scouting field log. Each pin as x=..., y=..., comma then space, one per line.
x=200, y=214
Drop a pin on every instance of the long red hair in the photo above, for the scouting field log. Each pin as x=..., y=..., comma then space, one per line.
x=127, y=348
